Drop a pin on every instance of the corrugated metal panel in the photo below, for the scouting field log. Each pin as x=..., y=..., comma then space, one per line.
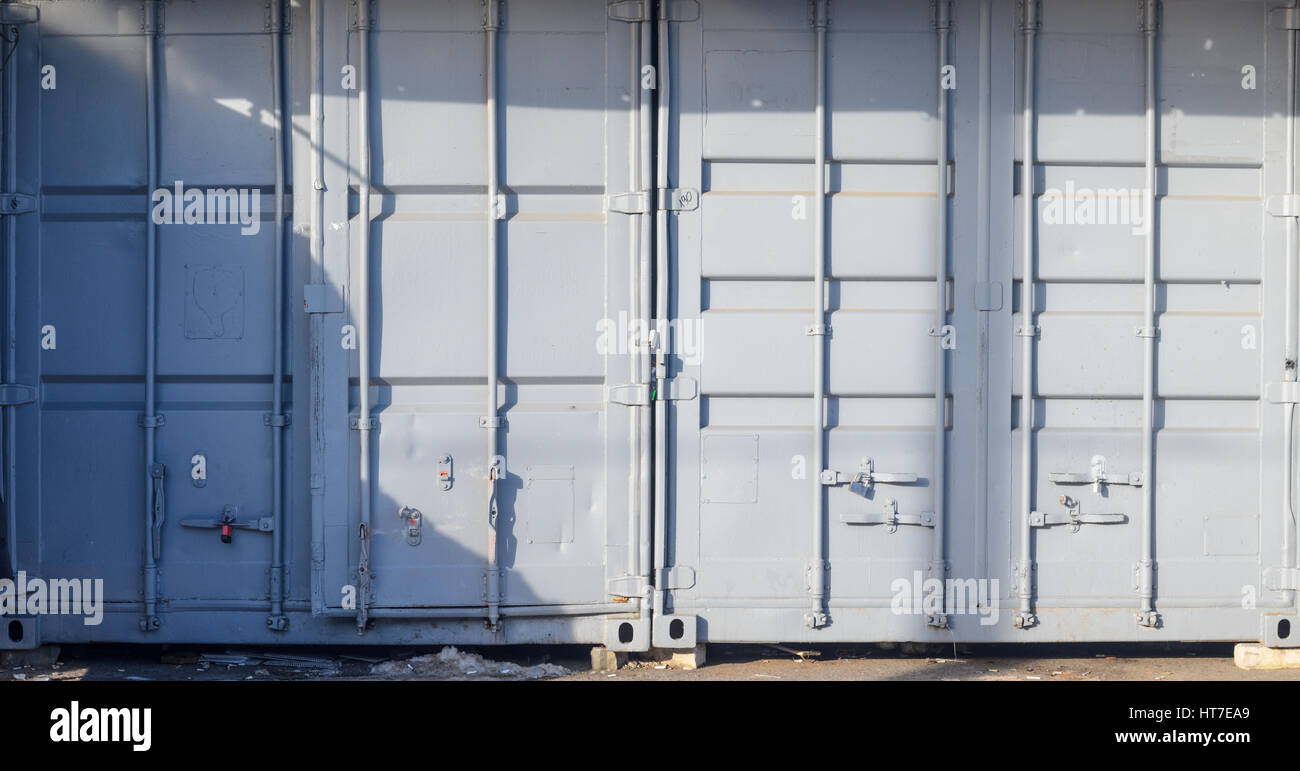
x=508, y=192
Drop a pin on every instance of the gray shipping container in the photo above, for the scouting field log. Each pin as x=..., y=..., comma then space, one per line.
x=859, y=320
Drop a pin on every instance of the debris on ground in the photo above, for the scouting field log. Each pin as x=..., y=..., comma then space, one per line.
x=180, y=658
x=451, y=662
x=803, y=655
x=233, y=659
x=362, y=659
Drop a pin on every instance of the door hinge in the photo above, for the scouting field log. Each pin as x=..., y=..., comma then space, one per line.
x=356, y=15
x=1148, y=15
x=271, y=25
x=1283, y=205
x=151, y=21
x=500, y=582
x=678, y=199
x=672, y=10
x=1285, y=392
x=1285, y=18
x=17, y=203
x=630, y=203
x=938, y=20
x=627, y=586
x=676, y=577
x=12, y=395
x=15, y=14
x=1024, y=7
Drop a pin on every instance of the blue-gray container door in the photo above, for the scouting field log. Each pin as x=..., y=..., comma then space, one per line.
x=84, y=296
x=566, y=89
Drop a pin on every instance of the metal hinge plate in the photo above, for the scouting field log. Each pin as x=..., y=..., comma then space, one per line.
x=630, y=203
x=1285, y=18
x=1148, y=15
x=1022, y=6
x=271, y=26
x=678, y=199
x=14, y=14
x=14, y=395
x=1283, y=205
x=635, y=10
x=1285, y=392
x=501, y=585
x=356, y=14
x=158, y=22
x=16, y=203
x=935, y=21
x=627, y=586
x=676, y=577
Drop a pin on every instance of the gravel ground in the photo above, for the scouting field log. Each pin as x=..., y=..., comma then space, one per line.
x=726, y=662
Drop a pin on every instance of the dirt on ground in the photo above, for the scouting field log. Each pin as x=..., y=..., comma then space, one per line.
x=573, y=663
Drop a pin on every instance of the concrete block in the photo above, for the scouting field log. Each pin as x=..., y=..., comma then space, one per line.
x=688, y=659
x=1257, y=656
x=605, y=660
x=41, y=656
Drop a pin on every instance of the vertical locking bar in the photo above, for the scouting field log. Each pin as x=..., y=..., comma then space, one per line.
x=938, y=568
x=984, y=176
x=817, y=615
x=276, y=620
x=491, y=27
x=363, y=310
x=1025, y=571
x=152, y=11
x=1146, y=614
x=317, y=250
x=1290, y=349
x=645, y=185
x=663, y=76
x=10, y=430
